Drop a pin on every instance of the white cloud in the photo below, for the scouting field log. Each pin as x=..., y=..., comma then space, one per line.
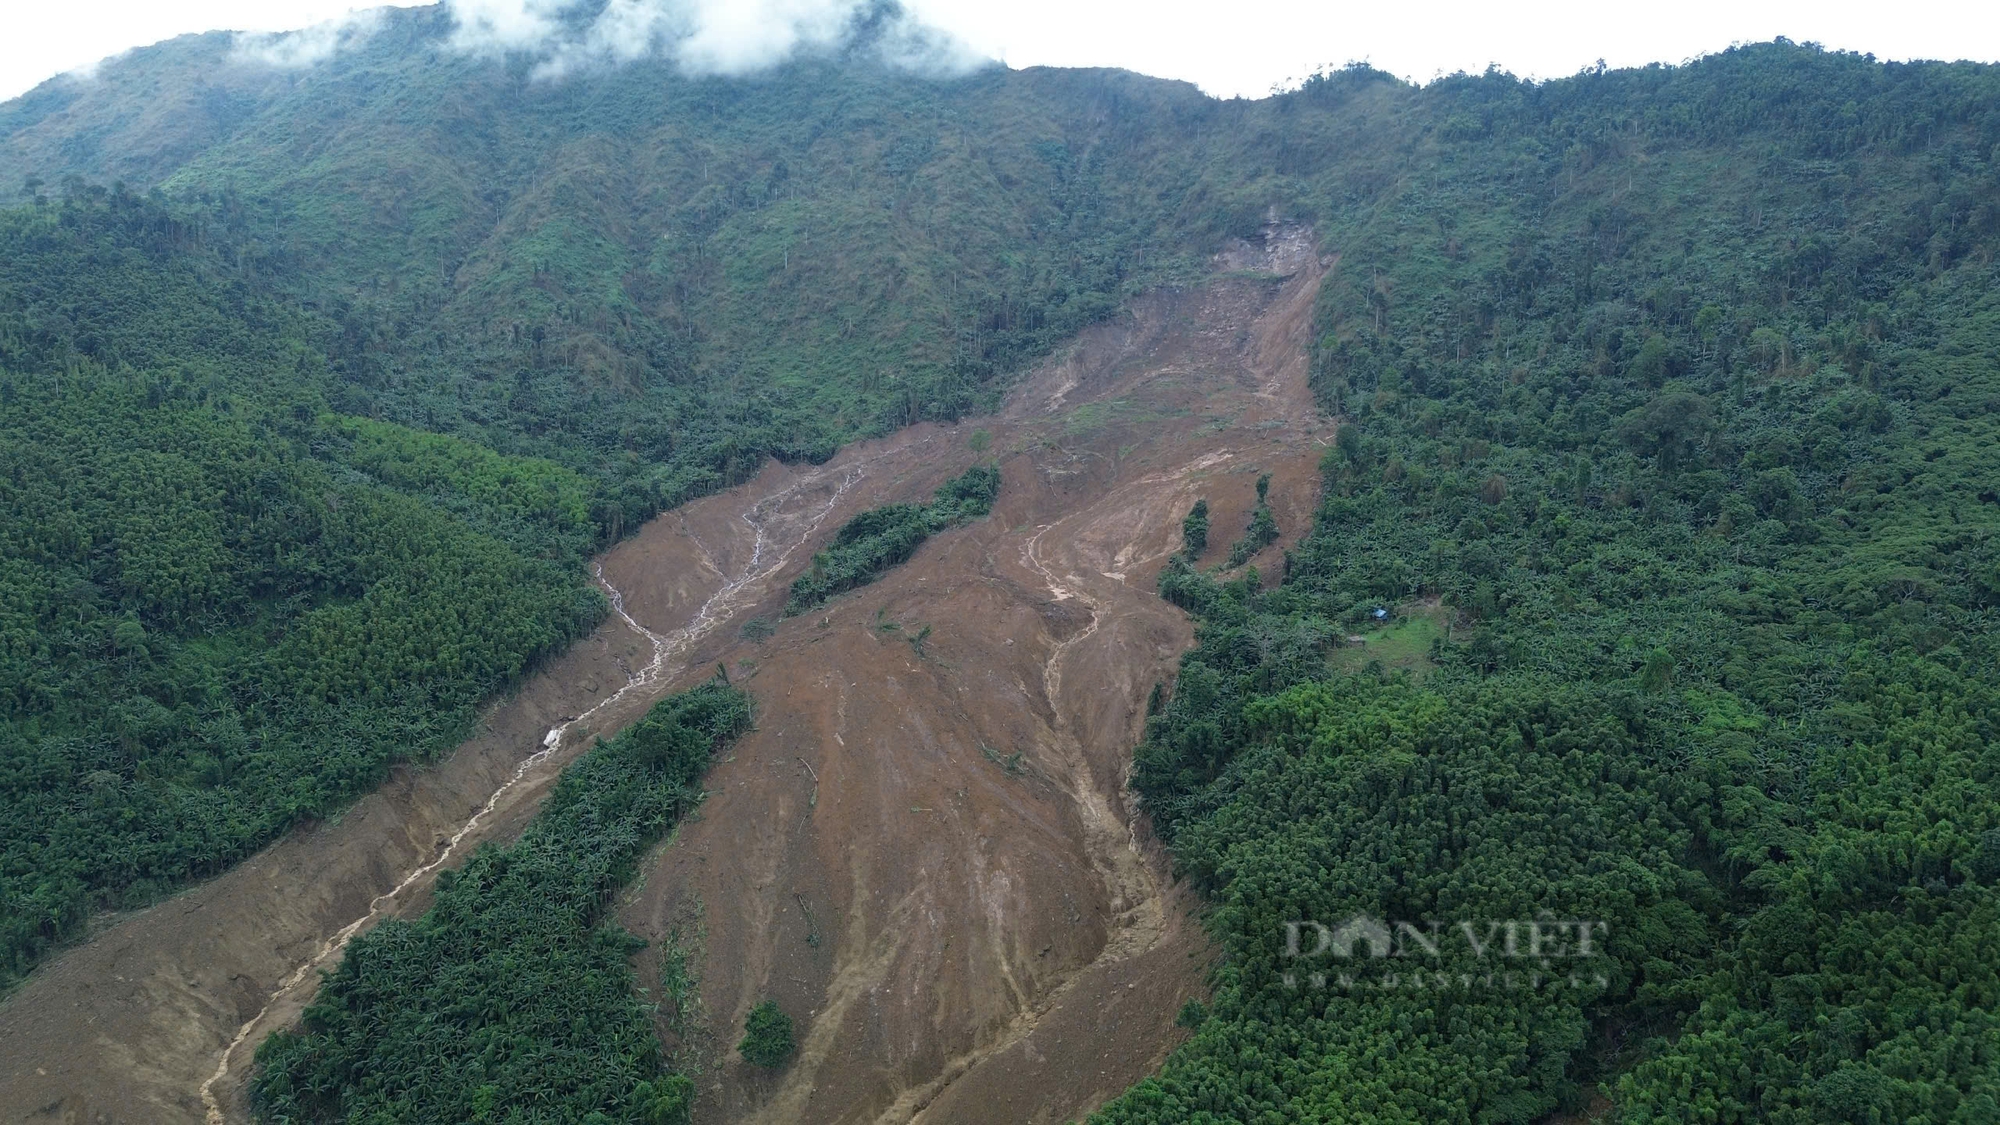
x=294, y=50
x=921, y=48
x=1228, y=47
x=746, y=35
x=702, y=36
x=88, y=71
x=625, y=31
x=499, y=26
x=636, y=29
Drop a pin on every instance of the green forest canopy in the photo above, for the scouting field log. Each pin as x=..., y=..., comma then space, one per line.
x=221, y=607
x=1702, y=462
x=880, y=538
x=513, y=998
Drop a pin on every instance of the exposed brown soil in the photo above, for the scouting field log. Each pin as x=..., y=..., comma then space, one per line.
x=963, y=935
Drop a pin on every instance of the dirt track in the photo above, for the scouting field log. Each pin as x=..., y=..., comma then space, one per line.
x=963, y=935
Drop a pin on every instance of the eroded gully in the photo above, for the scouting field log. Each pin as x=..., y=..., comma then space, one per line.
x=769, y=523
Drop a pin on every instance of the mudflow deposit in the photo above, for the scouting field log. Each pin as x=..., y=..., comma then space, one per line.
x=926, y=849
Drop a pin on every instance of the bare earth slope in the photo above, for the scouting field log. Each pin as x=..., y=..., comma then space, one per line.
x=925, y=852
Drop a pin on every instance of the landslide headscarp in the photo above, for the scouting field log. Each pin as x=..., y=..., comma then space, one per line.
x=926, y=852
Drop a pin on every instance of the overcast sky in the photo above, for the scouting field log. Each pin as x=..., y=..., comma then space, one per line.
x=1228, y=47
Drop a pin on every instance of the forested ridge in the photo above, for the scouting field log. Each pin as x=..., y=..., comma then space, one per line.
x=1668, y=447
x=1697, y=465
x=225, y=608
x=661, y=280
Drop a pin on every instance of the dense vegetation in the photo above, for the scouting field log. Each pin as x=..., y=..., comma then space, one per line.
x=1262, y=532
x=767, y=1036
x=883, y=537
x=221, y=607
x=656, y=280
x=1700, y=460
x=1194, y=531
x=512, y=999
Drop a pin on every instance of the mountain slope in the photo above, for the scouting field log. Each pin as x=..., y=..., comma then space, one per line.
x=1670, y=468
x=1666, y=458
x=651, y=281
x=224, y=609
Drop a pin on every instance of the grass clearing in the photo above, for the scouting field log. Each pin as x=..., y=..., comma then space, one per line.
x=1404, y=644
